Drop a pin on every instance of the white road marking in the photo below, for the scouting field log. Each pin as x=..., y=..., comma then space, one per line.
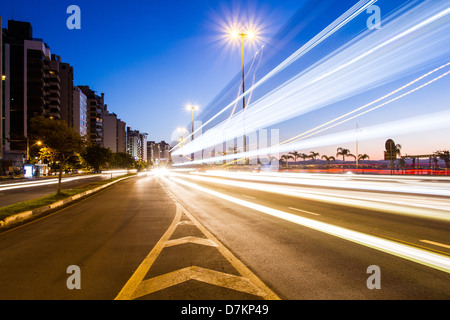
x=304, y=211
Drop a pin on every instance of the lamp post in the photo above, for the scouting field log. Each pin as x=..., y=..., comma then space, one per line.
x=39, y=143
x=192, y=108
x=243, y=36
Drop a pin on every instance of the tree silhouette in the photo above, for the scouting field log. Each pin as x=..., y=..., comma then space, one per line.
x=344, y=153
x=62, y=141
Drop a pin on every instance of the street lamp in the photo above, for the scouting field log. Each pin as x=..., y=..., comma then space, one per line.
x=37, y=143
x=192, y=108
x=249, y=35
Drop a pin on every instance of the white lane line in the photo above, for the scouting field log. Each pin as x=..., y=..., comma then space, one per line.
x=424, y=257
x=304, y=211
x=436, y=244
x=249, y=197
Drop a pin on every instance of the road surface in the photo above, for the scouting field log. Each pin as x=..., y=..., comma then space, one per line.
x=12, y=192
x=174, y=237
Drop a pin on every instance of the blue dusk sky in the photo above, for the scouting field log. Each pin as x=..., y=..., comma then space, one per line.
x=151, y=58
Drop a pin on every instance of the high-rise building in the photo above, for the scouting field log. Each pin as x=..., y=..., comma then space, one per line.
x=158, y=152
x=52, y=106
x=95, y=110
x=31, y=85
x=137, y=144
x=67, y=91
x=114, y=132
x=79, y=111
x=153, y=151
x=121, y=136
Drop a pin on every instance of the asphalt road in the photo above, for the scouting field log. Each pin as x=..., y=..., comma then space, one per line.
x=12, y=192
x=154, y=237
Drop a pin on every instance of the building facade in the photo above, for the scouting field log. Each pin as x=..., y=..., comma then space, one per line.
x=114, y=132
x=137, y=144
x=79, y=111
x=95, y=110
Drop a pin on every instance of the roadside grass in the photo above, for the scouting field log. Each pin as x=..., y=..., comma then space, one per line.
x=48, y=200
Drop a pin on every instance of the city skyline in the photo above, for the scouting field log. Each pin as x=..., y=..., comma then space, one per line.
x=186, y=53
x=136, y=86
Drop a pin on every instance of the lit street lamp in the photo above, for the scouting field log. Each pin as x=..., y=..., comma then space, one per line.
x=192, y=108
x=249, y=35
x=37, y=143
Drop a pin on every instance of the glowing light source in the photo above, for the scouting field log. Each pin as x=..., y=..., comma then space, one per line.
x=374, y=59
x=190, y=107
x=234, y=34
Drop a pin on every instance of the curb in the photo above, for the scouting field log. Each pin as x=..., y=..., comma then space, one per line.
x=27, y=215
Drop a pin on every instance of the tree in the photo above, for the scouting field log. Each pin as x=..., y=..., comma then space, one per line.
x=396, y=151
x=61, y=141
x=344, y=153
x=363, y=157
x=296, y=155
x=328, y=159
x=96, y=156
x=286, y=158
x=304, y=156
x=444, y=155
x=313, y=155
x=402, y=164
x=122, y=160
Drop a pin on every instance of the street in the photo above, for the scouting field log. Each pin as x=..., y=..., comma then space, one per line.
x=168, y=235
x=12, y=192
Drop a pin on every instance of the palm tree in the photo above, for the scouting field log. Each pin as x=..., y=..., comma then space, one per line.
x=304, y=156
x=296, y=155
x=363, y=157
x=328, y=159
x=402, y=163
x=444, y=155
x=396, y=151
x=313, y=155
x=286, y=158
x=344, y=153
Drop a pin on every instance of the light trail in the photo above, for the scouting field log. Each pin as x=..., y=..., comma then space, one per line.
x=310, y=132
x=50, y=181
x=434, y=121
x=348, y=16
x=389, y=184
x=420, y=256
x=374, y=59
x=409, y=205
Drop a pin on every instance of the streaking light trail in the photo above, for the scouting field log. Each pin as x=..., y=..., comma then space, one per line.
x=322, y=36
x=406, y=44
x=434, y=121
x=398, y=202
x=410, y=253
